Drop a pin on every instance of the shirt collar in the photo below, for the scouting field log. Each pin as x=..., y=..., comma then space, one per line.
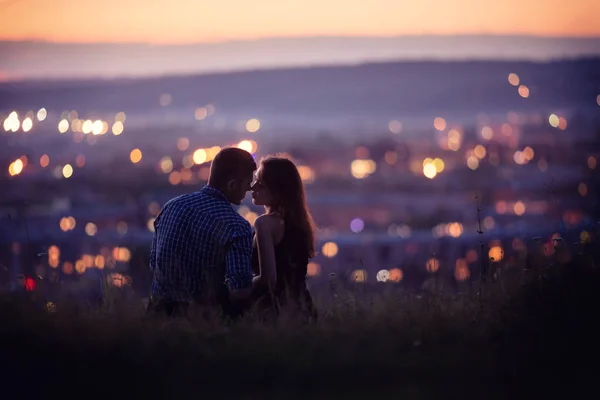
x=214, y=192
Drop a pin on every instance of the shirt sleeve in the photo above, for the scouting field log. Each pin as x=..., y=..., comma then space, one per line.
x=171, y=236
x=153, y=248
x=238, y=260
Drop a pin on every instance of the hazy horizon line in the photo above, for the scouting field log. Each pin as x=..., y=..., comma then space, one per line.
x=300, y=37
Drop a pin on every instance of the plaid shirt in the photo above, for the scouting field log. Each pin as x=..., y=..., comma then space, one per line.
x=200, y=242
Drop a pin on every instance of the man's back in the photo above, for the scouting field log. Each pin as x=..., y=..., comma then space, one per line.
x=199, y=243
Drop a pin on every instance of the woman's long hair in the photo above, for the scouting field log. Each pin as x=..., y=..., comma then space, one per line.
x=280, y=175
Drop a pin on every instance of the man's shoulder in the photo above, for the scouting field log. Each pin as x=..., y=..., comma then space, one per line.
x=233, y=218
x=201, y=205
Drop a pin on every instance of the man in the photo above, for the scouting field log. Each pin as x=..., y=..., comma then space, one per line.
x=202, y=248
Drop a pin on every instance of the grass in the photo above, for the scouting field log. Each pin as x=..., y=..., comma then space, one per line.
x=533, y=337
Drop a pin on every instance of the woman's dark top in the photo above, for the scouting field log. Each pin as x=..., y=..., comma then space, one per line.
x=290, y=293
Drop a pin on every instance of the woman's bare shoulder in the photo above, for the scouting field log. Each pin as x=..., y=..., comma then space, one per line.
x=271, y=222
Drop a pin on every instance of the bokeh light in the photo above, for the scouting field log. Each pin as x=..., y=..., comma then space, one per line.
x=135, y=156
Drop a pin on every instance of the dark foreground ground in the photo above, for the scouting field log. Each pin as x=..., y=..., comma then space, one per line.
x=539, y=338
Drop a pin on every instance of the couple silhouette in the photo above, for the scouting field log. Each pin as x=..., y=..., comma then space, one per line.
x=206, y=255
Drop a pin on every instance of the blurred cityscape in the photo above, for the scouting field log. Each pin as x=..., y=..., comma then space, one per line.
x=408, y=166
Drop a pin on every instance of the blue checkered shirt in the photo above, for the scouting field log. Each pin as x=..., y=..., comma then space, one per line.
x=200, y=243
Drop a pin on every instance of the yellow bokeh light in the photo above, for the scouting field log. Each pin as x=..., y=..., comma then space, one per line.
x=439, y=123
x=519, y=208
x=166, y=165
x=513, y=79
x=200, y=156
x=77, y=125
x=87, y=126
x=117, y=128
x=121, y=254
x=438, y=164
x=553, y=120
x=63, y=126
x=249, y=145
x=251, y=217
x=16, y=167
x=135, y=156
x=479, y=151
x=487, y=133
x=64, y=224
x=42, y=114
x=67, y=171
x=455, y=229
x=252, y=125
x=360, y=169
x=496, y=253
x=473, y=162
x=306, y=174
x=329, y=249
x=97, y=127
x=212, y=152
x=27, y=124
x=429, y=170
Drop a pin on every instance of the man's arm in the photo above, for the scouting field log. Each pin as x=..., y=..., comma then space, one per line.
x=238, y=263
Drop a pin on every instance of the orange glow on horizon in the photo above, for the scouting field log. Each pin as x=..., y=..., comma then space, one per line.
x=187, y=21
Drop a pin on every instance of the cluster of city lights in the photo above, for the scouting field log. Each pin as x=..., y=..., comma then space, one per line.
x=87, y=126
x=432, y=167
x=12, y=123
x=106, y=258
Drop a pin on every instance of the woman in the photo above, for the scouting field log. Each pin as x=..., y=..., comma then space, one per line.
x=284, y=241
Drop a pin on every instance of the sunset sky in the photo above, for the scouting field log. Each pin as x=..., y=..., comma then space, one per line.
x=190, y=21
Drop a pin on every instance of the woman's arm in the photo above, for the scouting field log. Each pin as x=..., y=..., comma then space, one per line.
x=264, y=227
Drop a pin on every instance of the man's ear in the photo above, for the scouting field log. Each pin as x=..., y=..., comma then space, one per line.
x=231, y=185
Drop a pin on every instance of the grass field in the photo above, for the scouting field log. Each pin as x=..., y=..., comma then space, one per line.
x=527, y=339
